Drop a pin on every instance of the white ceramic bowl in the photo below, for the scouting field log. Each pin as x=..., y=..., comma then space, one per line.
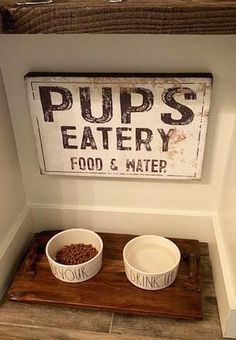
x=151, y=261
x=79, y=272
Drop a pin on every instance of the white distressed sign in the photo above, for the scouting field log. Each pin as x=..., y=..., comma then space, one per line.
x=149, y=126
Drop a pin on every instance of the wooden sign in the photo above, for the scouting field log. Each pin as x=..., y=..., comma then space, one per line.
x=146, y=126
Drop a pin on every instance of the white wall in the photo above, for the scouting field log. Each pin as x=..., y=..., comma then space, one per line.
x=227, y=232
x=13, y=209
x=93, y=53
x=12, y=197
x=171, y=208
x=227, y=209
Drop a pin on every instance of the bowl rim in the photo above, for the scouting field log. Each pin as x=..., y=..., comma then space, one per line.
x=152, y=273
x=73, y=265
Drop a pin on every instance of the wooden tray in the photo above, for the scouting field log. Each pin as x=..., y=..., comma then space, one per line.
x=110, y=289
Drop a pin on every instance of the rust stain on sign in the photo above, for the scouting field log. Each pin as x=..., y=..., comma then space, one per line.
x=149, y=126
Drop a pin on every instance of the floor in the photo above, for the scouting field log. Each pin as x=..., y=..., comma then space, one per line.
x=29, y=321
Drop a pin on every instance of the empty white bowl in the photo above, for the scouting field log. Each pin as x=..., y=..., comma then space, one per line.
x=151, y=261
x=79, y=272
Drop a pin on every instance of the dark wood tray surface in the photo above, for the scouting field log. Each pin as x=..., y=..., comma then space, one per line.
x=110, y=289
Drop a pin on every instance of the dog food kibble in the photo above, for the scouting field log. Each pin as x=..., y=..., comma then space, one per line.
x=76, y=254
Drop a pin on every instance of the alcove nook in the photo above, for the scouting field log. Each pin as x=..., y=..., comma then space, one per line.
x=202, y=210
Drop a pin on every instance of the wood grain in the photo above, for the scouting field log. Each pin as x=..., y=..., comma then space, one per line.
x=46, y=316
x=129, y=16
x=166, y=328
x=109, y=289
x=208, y=328
x=19, y=320
x=10, y=332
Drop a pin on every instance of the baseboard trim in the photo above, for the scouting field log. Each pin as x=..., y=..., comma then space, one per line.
x=14, y=247
x=223, y=283
x=124, y=220
x=13, y=230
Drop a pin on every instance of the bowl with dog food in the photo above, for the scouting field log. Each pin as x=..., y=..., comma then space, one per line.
x=151, y=262
x=75, y=255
